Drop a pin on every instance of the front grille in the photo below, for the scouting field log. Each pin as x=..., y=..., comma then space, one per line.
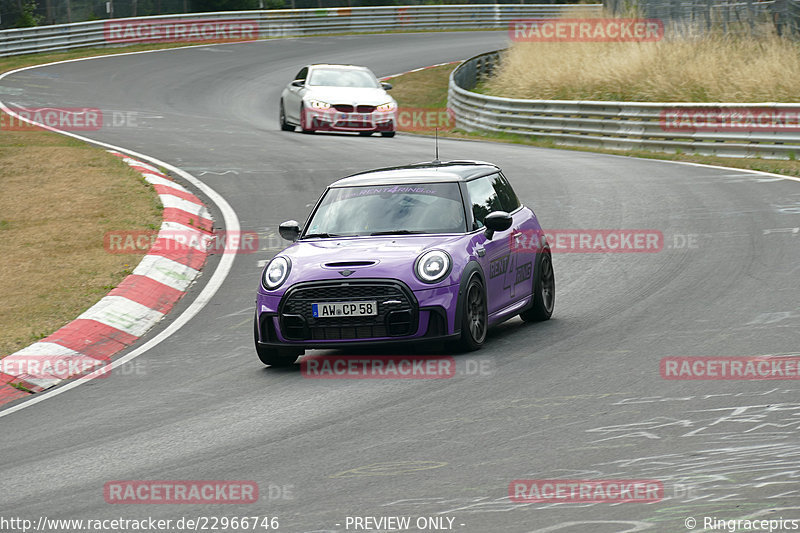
x=394, y=319
x=365, y=108
x=343, y=108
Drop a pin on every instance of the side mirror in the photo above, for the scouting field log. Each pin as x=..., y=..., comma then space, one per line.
x=298, y=83
x=289, y=230
x=386, y=86
x=497, y=221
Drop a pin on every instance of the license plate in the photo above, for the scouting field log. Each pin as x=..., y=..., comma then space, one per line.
x=354, y=117
x=340, y=309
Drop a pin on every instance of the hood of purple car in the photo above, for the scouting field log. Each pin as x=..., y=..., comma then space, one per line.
x=365, y=257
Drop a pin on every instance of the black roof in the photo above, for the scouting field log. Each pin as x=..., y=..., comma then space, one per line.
x=426, y=172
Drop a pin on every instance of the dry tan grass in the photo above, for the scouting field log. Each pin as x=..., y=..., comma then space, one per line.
x=716, y=68
x=59, y=197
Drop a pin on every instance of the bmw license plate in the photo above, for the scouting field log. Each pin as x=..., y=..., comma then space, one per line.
x=340, y=309
x=354, y=119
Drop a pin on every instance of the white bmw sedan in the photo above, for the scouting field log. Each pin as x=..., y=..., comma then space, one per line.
x=338, y=98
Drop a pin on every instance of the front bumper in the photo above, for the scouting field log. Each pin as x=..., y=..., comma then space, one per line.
x=403, y=315
x=334, y=120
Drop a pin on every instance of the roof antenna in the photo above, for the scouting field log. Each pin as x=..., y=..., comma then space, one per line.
x=436, y=142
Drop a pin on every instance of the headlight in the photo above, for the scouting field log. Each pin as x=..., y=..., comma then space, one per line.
x=318, y=104
x=432, y=266
x=276, y=273
x=388, y=106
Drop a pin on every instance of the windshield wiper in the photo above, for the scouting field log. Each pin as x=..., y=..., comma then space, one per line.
x=398, y=232
x=322, y=235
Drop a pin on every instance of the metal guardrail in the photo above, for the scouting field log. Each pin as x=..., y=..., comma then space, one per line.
x=613, y=125
x=297, y=22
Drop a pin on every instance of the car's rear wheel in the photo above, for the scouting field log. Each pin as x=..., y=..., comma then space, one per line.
x=474, y=316
x=273, y=356
x=544, y=291
x=365, y=133
x=285, y=126
x=304, y=120
x=387, y=134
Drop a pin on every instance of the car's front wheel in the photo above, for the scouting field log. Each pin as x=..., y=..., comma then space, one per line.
x=285, y=126
x=387, y=133
x=544, y=291
x=474, y=316
x=273, y=356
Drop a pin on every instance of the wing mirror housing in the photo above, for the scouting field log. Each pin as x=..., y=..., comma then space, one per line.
x=496, y=221
x=290, y=230
x=386, y=86
x=298, y=83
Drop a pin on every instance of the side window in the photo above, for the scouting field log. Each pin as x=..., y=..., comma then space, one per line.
x=303, y=74
x=483, y=198
x=508, y=198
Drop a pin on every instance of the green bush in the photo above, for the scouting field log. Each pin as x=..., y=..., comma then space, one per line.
x=28, y=17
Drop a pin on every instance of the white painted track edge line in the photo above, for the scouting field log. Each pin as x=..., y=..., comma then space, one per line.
x=718, y=167
x=231, y=223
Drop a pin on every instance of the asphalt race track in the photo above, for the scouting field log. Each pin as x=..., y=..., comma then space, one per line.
x=578, y=397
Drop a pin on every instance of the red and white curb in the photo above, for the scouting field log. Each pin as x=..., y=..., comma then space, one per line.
x=138, y=303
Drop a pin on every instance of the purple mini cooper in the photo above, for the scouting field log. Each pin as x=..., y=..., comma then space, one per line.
x=423, y=252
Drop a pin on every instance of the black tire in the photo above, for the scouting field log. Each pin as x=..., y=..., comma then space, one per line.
x=474, y=316
x=544, y=291
x=277, y=357
x=365, y=133
x=303, y=120
x=285, y=126
x=387, y=134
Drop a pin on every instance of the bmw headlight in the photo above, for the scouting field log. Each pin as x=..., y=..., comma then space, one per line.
x=276, y=273
x=319, y=104
x=432, y=266
x=388, y=106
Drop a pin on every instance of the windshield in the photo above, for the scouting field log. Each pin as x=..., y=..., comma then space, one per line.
x=387, y=210
x=334, y=77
